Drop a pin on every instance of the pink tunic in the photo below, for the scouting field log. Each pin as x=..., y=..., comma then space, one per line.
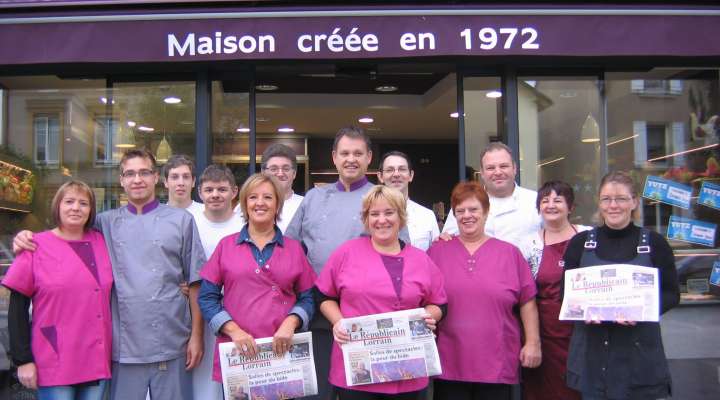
x=257, y=297
x=355, y=274
x=479, y=340
x=71, y=324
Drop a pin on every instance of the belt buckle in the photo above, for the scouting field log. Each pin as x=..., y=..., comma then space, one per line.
x=643, y=249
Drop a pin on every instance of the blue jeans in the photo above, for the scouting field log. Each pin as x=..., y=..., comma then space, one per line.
x=96, y=392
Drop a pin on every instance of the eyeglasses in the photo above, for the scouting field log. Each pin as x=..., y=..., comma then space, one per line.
x=400, y=170
x=275, y=169
x=144, y=173
x=621, y=201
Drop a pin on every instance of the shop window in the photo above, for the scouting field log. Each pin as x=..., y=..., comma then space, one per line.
x=46, y=129
x=673, y=136
x=106, y=135
x=657, y=87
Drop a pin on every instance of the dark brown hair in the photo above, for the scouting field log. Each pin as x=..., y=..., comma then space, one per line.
x=560, y=188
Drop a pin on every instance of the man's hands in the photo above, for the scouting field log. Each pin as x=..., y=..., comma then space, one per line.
x=27, y=375
x=23, y=241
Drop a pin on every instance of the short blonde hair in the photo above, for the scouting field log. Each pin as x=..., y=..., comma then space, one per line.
x=393, y=196
x=80, y=187
x=254, y=181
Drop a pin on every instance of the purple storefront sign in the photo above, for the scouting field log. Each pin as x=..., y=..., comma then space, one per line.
x=236, y=36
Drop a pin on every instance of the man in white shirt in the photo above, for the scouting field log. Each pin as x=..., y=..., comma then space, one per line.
x=179, y=179
x=396, y=172
x=217, y=189
x=513, y=215
x=280, y=161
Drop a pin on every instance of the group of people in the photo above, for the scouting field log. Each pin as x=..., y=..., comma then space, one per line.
x=136, y=298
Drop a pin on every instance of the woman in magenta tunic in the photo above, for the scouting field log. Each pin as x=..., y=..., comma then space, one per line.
x=555, y=202
x=262, y=273
x=486, y=280
x=377, y=274
x=68, y=279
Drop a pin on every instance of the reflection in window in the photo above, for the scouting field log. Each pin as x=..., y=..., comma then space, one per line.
x=46, y=128
x=670, y=129
x=105, y=133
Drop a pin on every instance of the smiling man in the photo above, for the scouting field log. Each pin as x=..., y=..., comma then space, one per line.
x=513, y=215
x=179, y=179
x=396, y=172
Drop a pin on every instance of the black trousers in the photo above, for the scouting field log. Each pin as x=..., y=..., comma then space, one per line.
x=456, y=390
x=322, y=347
x=348, y=394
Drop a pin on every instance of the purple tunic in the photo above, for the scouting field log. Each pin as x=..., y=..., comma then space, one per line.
x=479, y=340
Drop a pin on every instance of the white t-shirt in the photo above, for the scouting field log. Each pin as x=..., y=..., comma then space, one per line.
x=422, y=225
x=511, y=219
x=289, y=207
x=212, y=232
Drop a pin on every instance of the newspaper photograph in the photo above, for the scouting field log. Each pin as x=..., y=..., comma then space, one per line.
x=389, y=347
x=268, y=376
x=611, y=292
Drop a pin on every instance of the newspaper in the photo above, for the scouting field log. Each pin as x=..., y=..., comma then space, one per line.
x=389, y=347
x=267, y=376
x=611, y=292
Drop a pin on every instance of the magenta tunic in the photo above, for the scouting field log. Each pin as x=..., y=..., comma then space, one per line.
x=257, y=297
x=71, y=324
x=356, y=275
x=479, y=340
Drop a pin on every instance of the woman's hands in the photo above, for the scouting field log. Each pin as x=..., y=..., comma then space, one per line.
x=340, y=334
x=27, y=375
x=244, y=342
x=282, y=340
x=531, y=355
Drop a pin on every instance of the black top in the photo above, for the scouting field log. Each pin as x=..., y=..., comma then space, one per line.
x=19, y=328
x=620, y=245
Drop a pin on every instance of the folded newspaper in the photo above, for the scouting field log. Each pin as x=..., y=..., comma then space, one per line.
x=267, y=376
x=389, y=347
x=611, y=292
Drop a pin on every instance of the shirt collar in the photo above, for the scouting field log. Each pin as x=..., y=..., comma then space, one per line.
x=244, y=236
x=353, y=186
x=145, y=209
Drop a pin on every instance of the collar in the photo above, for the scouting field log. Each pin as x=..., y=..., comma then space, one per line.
x=353, y=186
x=244, y=236
x=145, y=209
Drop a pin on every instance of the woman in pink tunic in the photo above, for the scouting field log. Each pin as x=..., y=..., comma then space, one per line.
x=263, y=274
x=378, y=274
x=68, y=278
x=555, y=202
x=486, y=281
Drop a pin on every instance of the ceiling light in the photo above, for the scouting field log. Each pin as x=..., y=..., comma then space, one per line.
x=590, y=131
x=243, y=130
x=493, y=94
x=286, y=130
x=386, y=88
x=454, y=115
x=366, y=120
x=104, y=100
x=172, y=100
x=266, y=88
x=146, y=128
x=131, y=124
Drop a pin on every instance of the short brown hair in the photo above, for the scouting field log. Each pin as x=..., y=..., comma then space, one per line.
x=352, y=132
x=278, y=150
x=254, y=181
x=80, y=187
x=138, y=153
x=178, y=160
x=560, y=188
x=496, y=146
x=619, y=177
x=393, y=196
x=465, y=190
x=217, y=173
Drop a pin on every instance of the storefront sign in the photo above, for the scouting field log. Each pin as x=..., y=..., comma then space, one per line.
x=710, y=195
x=345, y=34
x=692, y=231
x=668, y=192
